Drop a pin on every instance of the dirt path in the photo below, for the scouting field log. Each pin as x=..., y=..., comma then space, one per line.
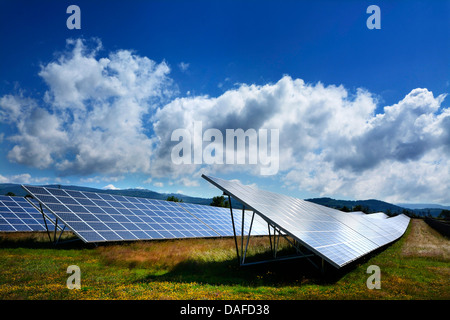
x=424, y=241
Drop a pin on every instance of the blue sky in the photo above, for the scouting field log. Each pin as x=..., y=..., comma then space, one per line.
x=362, y=113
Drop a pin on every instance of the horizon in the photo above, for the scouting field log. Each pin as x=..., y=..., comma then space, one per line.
x=149, y=95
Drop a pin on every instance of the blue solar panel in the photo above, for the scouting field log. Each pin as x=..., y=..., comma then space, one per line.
x=98, y=217
x=219, y=219
x=336, y=236
x=17, y=214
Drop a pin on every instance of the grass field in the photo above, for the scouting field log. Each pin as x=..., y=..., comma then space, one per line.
x=415, y=267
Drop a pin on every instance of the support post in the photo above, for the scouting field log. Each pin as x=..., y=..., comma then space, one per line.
x=241, y=252
x=248, y=238
x=234, y=230
x=54, y=232
x=45, y=222
x=270, y=237
x=60, y=234
x=242, y=231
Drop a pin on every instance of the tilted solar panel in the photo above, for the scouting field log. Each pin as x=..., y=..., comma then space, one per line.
x=336, y=236
x=357, y=213
x=17, y=214
x=378, y=215
x=219, y=219
x=98, y=217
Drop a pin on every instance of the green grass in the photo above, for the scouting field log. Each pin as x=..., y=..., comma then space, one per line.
x=32, y=268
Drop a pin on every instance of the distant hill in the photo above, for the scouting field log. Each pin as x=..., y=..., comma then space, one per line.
x=373, y=205
x=422, y=206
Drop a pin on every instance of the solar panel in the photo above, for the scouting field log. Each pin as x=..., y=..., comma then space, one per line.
x=378, y=215
x=336, y=236
x=219, y=219
x=357, y=213
x=17, y=214
x=98, y=217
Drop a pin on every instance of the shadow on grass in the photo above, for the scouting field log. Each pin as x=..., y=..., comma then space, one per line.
x=228, y=272
x=40, y=240
x=276, y=274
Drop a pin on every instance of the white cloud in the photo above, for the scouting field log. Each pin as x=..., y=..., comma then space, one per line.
x=23, y=178
x=184, y=66
x=149, y=180
x=331, y=141
x=95, y=122
x=189, y=182
x=110, y=187
x=158, y=184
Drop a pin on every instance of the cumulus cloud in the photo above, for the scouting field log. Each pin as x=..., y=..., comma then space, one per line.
x=93, y=117
x=405, y=131
x=22, y=178
x=331, y=140
x=110, y=187
x=306, y=115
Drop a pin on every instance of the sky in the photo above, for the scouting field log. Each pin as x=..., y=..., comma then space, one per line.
x=144, y=95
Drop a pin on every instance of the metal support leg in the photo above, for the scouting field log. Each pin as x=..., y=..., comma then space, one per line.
x=54, y=233
x=60, y=234
x=278, y=241
x=248, y=238
x=241, y=252
x=55, y=241
x=234, y=230
x=242, y=232
x=270, y=237
x=45, y=222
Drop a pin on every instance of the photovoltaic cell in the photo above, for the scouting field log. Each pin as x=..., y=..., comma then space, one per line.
x=338, y=237
x=97, y=217
x=17, y=214
x=219, y=219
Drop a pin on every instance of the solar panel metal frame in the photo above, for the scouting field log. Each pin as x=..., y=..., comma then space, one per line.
x=319, y=220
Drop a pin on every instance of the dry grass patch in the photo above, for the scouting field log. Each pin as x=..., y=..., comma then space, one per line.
x=170, y=253
x=424, y=241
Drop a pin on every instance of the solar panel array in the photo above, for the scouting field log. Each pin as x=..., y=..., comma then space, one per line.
x=99, y=217
x=17, y=214
x=336, y=236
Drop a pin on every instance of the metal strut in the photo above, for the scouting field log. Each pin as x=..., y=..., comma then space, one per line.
x=241, y=252
x=234, y=229
x=55, y=223
x=45, y=222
